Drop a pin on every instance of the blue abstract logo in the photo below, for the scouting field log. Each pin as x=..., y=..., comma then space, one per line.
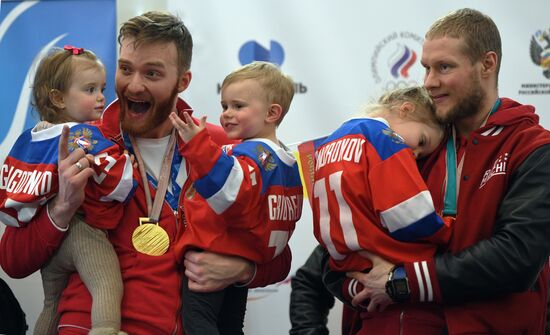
x=253, y=51
x=28, y=30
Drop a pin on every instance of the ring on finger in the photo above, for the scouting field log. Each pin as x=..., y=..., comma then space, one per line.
x=79, y=166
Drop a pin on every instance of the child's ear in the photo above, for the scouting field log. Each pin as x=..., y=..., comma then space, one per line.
x=56, y=97
x=274, y=113
x=405, y=109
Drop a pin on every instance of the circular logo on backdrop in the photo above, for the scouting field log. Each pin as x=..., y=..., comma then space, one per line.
x=539, y=49
x=254, y=51
x=395, y=61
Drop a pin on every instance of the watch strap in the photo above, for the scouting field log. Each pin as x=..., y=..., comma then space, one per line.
x=397, y=286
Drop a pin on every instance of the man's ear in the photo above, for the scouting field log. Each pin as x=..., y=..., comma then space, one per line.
x=274, y=113
x=184, y=80
x=405, y=109
x=57, y=99
x=489, y=64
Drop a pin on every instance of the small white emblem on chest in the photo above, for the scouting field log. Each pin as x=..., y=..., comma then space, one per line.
x=499, y=167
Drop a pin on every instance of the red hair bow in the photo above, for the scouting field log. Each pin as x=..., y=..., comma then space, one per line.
x=74, y=50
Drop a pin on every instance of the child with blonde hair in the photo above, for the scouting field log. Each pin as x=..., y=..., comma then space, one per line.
x=246, y=197
x=369, y=198
x=68, y=91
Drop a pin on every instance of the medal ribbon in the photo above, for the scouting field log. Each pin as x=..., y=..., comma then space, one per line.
x=154, y=207
x=171, y=198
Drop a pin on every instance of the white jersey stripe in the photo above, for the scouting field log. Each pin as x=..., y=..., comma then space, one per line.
x=227, y=194
x=125, y=184
x=25, y=210
x=324, y=220
x=408, y=211
x=8, y=220
x=488, y=131
x=346, y=218
x=498, y=131
x=429, y=287
x=352, y=288
x=418, y=272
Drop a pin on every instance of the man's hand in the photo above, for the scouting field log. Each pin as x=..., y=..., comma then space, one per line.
x=74, y=170
x=210, y=272
x=374, y=283
x=186, y=127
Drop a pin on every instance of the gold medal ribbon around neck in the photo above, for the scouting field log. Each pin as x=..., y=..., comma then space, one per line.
x=149, y=237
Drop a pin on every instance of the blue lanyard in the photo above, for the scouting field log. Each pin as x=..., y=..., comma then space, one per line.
x=173, y=197
x=451, y=193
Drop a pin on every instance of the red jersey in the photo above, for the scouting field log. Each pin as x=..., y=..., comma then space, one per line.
x=369, y=195
x=152, y=284
x=245, y=199
x=29, y=178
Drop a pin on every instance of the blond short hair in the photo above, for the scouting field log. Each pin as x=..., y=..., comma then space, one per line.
x=278, y=86
x=417, y=95
x=478, y=31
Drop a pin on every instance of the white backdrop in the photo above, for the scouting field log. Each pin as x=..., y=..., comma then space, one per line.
x=341, y=55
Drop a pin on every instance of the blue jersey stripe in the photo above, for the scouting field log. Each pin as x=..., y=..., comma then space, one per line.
x=425, y=227
x=384, y=140
x=46, y=151
x=215, y=179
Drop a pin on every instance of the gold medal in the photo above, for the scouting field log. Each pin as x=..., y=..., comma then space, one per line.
x=149, y=238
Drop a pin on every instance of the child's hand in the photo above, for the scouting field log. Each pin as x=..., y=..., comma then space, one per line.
x=132, y=159
x=186, y=128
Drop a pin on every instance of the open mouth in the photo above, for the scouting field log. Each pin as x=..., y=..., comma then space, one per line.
x=138, y=107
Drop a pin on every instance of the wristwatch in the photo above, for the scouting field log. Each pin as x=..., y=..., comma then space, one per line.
x=397, y=286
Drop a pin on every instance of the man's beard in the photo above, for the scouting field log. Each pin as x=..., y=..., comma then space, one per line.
x=159, y=114
x=467, y=106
